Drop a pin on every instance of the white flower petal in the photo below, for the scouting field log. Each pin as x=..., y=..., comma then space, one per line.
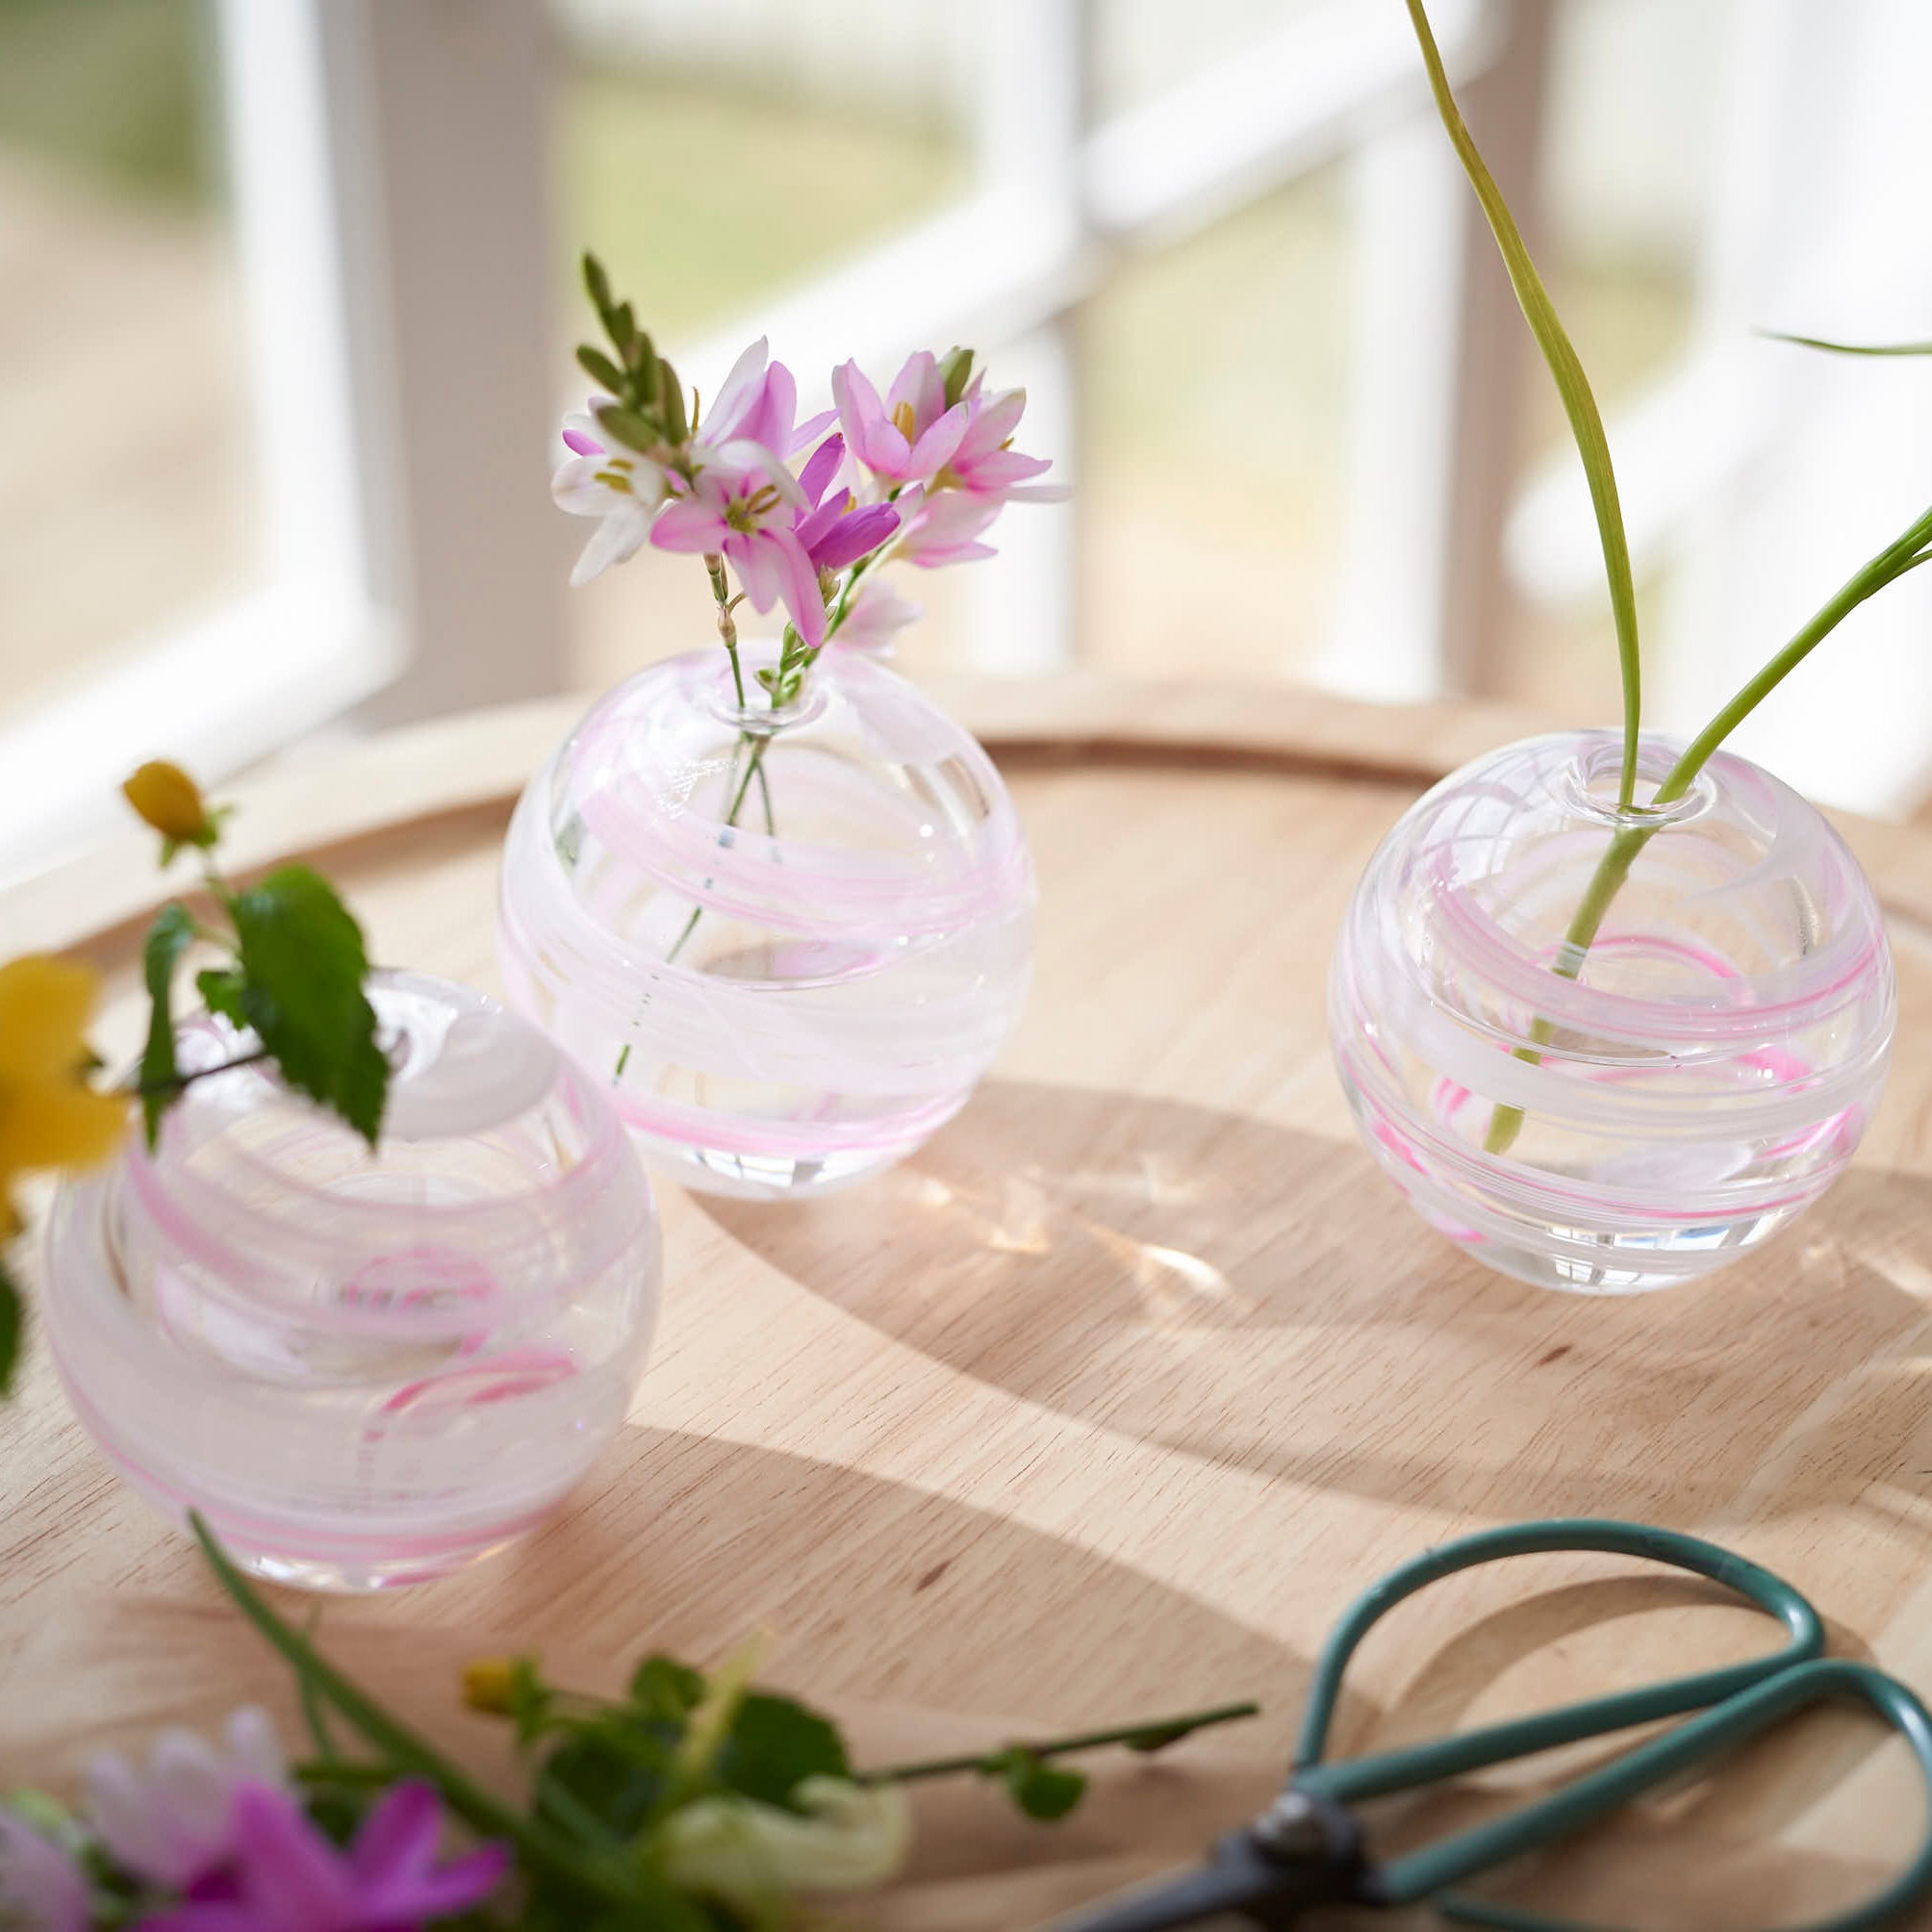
x=616, y=539
x=254, y=1750
x=123, y=1819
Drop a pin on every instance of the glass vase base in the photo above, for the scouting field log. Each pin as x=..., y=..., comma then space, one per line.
x=365, y=1577
x=775, y=1167
x=1611, y=1254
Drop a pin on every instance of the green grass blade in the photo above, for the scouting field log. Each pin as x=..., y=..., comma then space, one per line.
x=1849, y=348
x=1572, y=386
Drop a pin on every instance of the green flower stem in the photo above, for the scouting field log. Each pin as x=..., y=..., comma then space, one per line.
x=1156, y=1735
x=1567, y=371
x=1893, y=562
x=793, y=655
x=180, y=1083
x=728, y=626
x=342, y=1773
x=586, y=1868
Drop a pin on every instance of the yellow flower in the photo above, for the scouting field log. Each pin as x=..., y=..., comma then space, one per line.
x=486, y=1683
x=752, y=1856
x=170, y=802
x=49, y=1116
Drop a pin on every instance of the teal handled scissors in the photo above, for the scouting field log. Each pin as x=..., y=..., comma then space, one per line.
x=1306, y=1849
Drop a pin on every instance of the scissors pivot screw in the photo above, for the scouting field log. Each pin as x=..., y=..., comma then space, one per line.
x=1291, y=1827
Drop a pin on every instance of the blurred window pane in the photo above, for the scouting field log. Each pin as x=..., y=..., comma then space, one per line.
x=123, y=501
x=1214, y=391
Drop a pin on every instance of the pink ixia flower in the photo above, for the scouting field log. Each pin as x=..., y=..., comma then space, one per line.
x=602, y=479
x=909, y=437
x=944, y=526
x=984, y=465
x=751, y=423
x=40, y=1885
x=287, y=1877
x=169, y=1822
x=748, y=518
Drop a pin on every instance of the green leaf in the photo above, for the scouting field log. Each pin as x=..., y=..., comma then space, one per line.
x=596, y=283
x=303, y=965
x=629, y=428
x=221, y=989
x=1572, y=386
x=167, y=938
x=612, y=1767
x=1044, y=1792
x=671, y=400
x=600, y=368
x=664, y=1691
x=623, y=330
x=12, y=1319
x=1851, y=349
x=774, y=1744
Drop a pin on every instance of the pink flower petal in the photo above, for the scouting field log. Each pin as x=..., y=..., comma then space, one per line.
x=581, y=445
x=854, y=536
x=454, y=1888
x=689, y=524
x=399, y=1839
x=993, y=422
x=737, y=393
x=821, y=468
x=812, y=530
x=770, y=420
x=801, y=586
x=810, y=428
x=758, y=565
x=918, y=383
x=287, y=1866
x=1002, y=469
x=933, y=450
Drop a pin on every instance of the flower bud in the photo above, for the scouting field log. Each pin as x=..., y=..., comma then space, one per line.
x=955, y=371
x=487, y=1685
x=168, y=799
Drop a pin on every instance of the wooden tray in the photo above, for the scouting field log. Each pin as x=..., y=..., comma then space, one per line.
x=1103, y=1406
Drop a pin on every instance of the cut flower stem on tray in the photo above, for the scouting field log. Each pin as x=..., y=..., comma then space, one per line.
x=1640, y=820
x=696, y=1802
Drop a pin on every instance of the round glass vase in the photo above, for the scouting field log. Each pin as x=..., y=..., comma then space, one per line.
x=1688, y=1083
x=363, y=1368
x=787, y=942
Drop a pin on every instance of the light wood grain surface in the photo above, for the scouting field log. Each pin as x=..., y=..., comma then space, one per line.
x=1106, y=1403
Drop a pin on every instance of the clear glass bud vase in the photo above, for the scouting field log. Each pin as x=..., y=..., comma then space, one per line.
x=787, y=942
x=1684, y=1086
x=363, y=1368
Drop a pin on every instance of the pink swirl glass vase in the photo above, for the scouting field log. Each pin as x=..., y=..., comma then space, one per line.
x=786, y=943
x=1698, y=1083
x=363, y=1370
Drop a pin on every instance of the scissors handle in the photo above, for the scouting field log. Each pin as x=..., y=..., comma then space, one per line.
x=1520, y=1737
x=1734, y=1703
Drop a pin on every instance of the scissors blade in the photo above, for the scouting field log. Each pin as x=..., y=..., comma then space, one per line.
x=1239, y=1877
